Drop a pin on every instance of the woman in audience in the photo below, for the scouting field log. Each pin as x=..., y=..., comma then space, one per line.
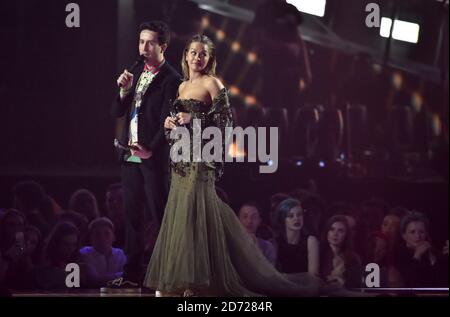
x=297, y=250
x=339, y=265
x=418, y=262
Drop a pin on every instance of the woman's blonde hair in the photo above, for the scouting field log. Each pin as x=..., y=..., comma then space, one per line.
x=210, y=68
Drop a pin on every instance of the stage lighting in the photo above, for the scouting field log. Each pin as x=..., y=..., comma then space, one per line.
x=269, y=163
x=235, y=46
x=299, y=163
x=220, y=35
x=321, y=164
x=251, y=57
x=314, y=7
x=250, y=100
x=402, y=30
x=234, y=90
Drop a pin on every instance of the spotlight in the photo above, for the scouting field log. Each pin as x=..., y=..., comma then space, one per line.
x=299, y=163
x=314, y=7
x=220, y=35
x=234, y=90
x=321, y=164
x=235, y=47
x=402, y=30
x=250, y=100
x=252, y=57
x=205, y=22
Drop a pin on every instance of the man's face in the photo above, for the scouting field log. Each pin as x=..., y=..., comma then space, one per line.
x=249, y=217
x=150, y=47
x=102, y=239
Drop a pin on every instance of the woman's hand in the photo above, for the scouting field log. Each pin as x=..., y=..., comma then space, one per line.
x=183, y=118
x=169, y=123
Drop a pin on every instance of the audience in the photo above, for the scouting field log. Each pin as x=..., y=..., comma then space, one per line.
x=397, y=240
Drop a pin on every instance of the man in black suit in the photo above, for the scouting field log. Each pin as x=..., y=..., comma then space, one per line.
x=144, y=99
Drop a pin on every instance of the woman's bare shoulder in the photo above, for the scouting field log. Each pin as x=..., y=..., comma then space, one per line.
x=213, y=85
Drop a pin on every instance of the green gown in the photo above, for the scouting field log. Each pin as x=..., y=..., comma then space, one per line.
x=202, y=245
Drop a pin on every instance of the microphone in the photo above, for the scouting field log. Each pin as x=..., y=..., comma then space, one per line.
x=138, y=62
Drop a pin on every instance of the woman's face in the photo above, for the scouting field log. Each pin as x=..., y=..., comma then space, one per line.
x=390, y=226
x=294, y=219
x=337, y=233
x=414, y=234
x=197, y=56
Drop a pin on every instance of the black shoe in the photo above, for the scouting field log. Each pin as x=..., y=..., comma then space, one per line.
x=121, y=286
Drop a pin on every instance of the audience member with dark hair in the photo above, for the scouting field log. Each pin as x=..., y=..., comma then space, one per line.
x=62, y=248
x=102, y=262
x=297, y=249
x=250, y=217
x=339, y=264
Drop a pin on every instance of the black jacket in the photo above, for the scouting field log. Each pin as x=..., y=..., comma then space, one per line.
x=155, y=107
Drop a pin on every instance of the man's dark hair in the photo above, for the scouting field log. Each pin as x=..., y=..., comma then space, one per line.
x=159, y=27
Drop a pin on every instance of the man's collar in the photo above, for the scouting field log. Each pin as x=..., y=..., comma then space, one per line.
x=154, y=69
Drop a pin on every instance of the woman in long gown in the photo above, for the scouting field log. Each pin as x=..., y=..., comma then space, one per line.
x=202, y=248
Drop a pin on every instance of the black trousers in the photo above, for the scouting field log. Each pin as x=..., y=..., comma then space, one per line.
x=145, y=193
